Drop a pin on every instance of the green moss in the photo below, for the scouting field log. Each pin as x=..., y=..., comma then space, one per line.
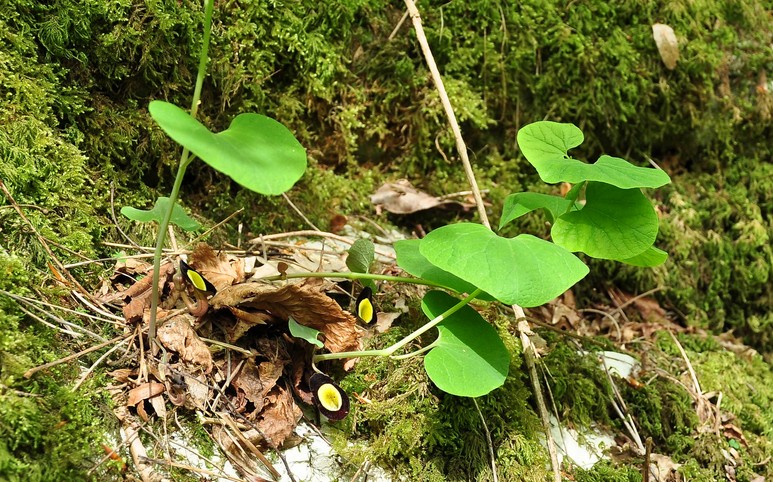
x=606, y=471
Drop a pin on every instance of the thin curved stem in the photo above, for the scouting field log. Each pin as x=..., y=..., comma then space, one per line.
x=356, y=276
x=392, y=349
x=185, y=160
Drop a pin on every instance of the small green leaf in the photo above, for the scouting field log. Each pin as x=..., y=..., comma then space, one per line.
x=304, y=332
x=648, y=259
x=524, y=270
x=255, y=151
x=468, y=358
x=546, y=144
x=518, y=204
x=361, y=256
x=413, y=262
x=179, y=217
x=614, y=224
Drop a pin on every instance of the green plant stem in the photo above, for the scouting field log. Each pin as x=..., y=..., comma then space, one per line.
x=415, y=353
x=185, y=160
x=390, y=350
x=356, y=276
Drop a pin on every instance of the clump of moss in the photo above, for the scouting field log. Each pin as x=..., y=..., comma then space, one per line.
x=426, y=434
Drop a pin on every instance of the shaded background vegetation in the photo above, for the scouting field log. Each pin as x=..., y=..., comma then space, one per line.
x=76, y=77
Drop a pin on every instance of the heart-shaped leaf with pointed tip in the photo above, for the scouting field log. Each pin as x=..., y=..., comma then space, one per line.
x=361, y=256
x=468, y=358
x=524, y=270
x=255, y=151
x=160, y=208
x=614, y=224
x=546, y=144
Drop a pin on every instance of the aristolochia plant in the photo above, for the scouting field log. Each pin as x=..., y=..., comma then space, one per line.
x=255, y=151
x=605, y=215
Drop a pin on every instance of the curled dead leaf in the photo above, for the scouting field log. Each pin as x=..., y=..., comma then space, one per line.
x=401, y=197
x=217, y=269
x=179, y=336
x=306, y=304
x=143, y=392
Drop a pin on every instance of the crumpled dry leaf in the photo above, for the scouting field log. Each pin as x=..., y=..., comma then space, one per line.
x=179, y=336
x=307, y=305
x=278, y=419
x=665, y=39
x=244, y=320
x=662, y=468
x=198, y=390
x=255, y=382
x=137, y=296
x=220, y=270
x=143, y=392
x=401, y=197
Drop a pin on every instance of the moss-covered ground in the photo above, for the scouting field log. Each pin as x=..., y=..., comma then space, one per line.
x=76, y=144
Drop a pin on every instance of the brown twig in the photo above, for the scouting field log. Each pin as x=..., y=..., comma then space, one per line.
x=59, y=266
x=74, y=356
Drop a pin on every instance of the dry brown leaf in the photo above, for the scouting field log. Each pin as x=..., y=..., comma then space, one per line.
x=401, y=197
x=668, y=46
x=306, y=304
x=235, y=329
x=144, y=392
x=662, y=468
x=141, y=286
x=122, y=375
x=179, y=336
x=218, y=269
x=198, y=390
x=384, y=321
x=159, y=406
x=256, y=381
x=279, y=417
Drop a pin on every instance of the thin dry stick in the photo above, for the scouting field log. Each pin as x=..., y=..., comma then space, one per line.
x=460, y=145
x=489, y=442
x=95, y=365
x=42, y=241
x=74, y=356
x=190, y=468
x=462, y=148
x=530, y=356
x=228, y=218
x=252, y=448
x=299, y=212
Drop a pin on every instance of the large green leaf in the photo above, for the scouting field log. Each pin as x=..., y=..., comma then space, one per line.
x=255, y=151
x=546, y=144
x=518, y=204
x=524, y=270
x=468, y=358
x=614, y=224
x=648, y=259
x=160, y=208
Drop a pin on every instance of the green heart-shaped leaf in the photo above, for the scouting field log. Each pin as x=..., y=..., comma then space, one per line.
x=361, y=256
x=614, y=224
x=546, y=144
x=255, y=151
x=524, y=270
x=518, y=204
x=468, y=358
x=648, y=259
x=160, y=208
x=304, y=332
x=413, y=262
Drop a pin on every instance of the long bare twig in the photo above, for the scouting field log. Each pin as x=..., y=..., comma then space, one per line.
x=523, y=325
